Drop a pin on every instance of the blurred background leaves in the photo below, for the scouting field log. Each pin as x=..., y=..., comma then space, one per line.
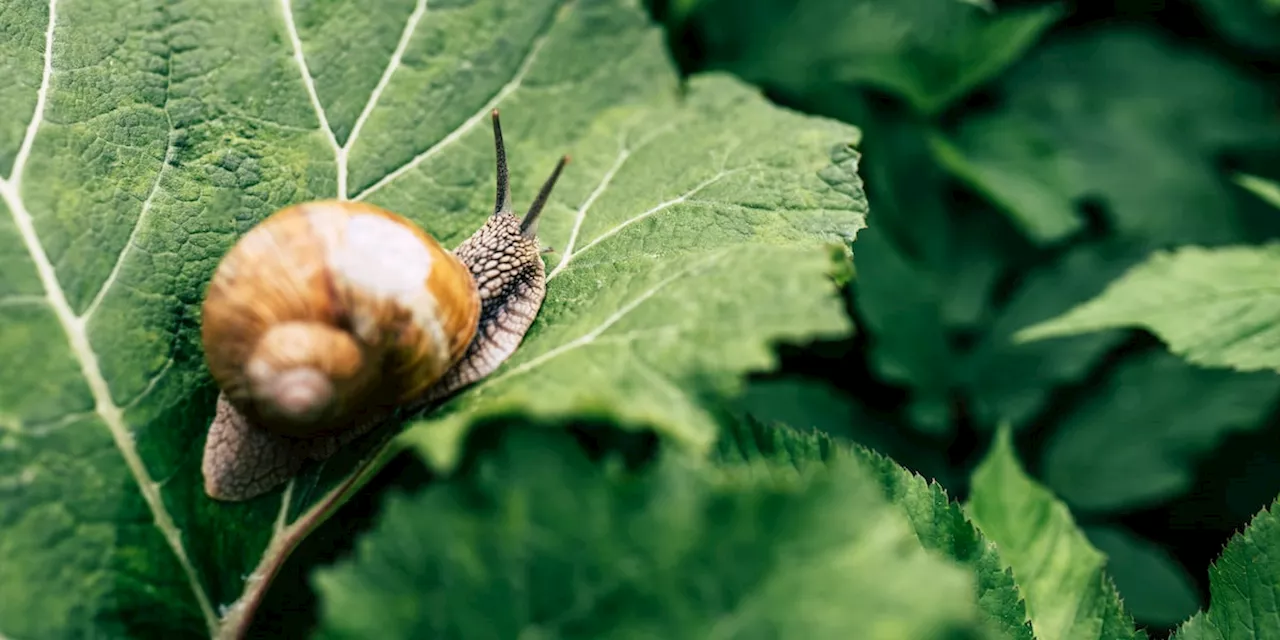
x=1018, y=158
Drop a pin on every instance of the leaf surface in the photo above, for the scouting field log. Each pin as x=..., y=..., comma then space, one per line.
x=1061, y=576
x=1136, y=441
x=1216, y=307
x=1244, y=586
x=140, y=138
x=533, y=539
x=939, y=523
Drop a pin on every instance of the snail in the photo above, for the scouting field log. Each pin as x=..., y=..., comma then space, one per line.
x=329, y=316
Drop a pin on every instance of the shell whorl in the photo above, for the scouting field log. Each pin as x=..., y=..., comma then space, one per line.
x=328, y=311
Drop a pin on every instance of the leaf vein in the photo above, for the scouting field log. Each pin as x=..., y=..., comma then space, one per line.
x=104, y=406
x=410, y=26
x=591, y=336
x=286, y=7
x=169, y=151
x=42, y=96
x=658, y=208
x=502, y=93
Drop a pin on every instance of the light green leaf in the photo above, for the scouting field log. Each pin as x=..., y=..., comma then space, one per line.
x=1136, y=440
x=1061, y=576
x=533, y=540
x=1125, y=118
x=1156, y=589
x=939, y=524
x=694, y=230
x=1215, y=307
x=1244, y=586
x=1266, y=189
x=930, y=52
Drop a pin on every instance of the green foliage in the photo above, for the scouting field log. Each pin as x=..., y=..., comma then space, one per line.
x=1266, y=189
x=938, y=523
x=1126, y=116
x=929, y=51
x=1216, y=307
x=1059, y=573
x=1244, y=583
x=1135, y=442
x=692, y=441
x=1155, y=587
x=690, y=216
x=568, y=548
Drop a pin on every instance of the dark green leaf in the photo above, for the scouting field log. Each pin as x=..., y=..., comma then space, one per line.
x=1136, y=441
x=1008, y=381
x=535, y=541
x=1252, y=23
x=1156, y=589
x=1124, y=115
x=930, y=52
x=939, y=523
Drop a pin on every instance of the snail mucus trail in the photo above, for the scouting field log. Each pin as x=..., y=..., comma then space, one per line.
x=329, y=316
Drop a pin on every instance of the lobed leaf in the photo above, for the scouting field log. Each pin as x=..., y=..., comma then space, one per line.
x=1216, y=307
x=1068, y=595
x=532, y=539
x=139, y=139
x=1244, y=586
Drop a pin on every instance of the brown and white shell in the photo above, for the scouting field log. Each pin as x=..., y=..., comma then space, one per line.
x=327, y=311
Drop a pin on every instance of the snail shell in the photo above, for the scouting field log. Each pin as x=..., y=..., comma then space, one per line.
x=328, y=309
x=328, y=317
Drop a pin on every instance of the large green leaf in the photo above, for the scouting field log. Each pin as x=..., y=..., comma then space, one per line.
x=930, y=52
x=1244, y=586
x=1126, y=118
x=140, y=138
x=534, y=540
x=1061, y=576
x=1136, y=441
x=1216, y=307
x=939, y=524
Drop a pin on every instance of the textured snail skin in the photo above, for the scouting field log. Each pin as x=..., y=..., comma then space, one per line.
x=388, y=318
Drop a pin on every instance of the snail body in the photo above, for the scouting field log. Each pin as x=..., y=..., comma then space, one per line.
x=328, y=316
